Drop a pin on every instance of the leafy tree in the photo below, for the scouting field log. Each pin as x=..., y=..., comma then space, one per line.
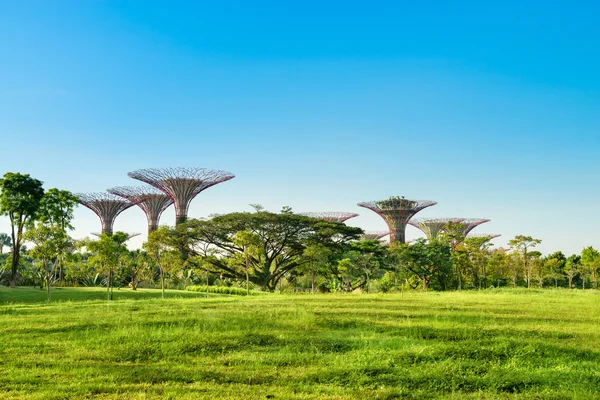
x=50, y=241
x=572, y=268
x=56, y=209
x=249, y=242
x=162, y=247
x=318, y=257
x=20, y=197
x=282, y=240
x=521, y=245
x=590, y=260
x=4, y=242
x=107, y=252
x=478, y=250
x=135, y=267
x=425, y=260
x=555, y=264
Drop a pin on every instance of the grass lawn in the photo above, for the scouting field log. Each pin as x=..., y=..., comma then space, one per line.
x=496, y=344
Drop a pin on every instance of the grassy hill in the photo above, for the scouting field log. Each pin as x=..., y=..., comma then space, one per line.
x=494, y=344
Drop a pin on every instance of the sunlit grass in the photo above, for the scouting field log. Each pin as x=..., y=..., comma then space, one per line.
x=495, y=344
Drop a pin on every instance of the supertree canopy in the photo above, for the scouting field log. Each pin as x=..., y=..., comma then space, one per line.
x=181, y=184
x=432, y=227
x=397, y=211
x=332, y=216
x=151, y=200
x=468, y=224
x=374, y=235
x=107, y=207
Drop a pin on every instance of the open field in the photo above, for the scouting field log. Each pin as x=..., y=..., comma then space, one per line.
x=493, y=344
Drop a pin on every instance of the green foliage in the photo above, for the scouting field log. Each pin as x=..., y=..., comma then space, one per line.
x=20, y=197
x=235, y=291
x=277, y=246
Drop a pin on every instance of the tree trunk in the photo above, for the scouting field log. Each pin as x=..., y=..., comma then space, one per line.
x=459, y=278
x=47, y=280
x=312, y=282
x=108, y=293
x=162, y=283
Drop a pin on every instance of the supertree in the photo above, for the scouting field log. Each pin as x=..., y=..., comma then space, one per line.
x=468, y=224
x=181, y=184
x=488, y=236
x=151, y=200
x=331, y=216
x=432, y=227
x=396, y=212
x=107, y=207
x=374, y=235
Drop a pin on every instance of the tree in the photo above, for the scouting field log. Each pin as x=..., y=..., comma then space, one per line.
x=56, y=210
x=249, y=242
x=572, y=268
x=590, y=260
x=555, y=264
x=478, y=249
x=521, y=245
x=135, y=267
x=107, y=253
x=20, y=197
x=4, y=241
x=318, y=257
x=425, y=260
x=49, y=241
x=282, y=240
x=162, y=247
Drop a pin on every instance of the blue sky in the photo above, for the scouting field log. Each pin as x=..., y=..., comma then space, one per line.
x=491, y=109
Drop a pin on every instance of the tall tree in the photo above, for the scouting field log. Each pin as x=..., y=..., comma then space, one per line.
x=555, y=263
x=426, y=260
x=20, y=198
x=521, y=245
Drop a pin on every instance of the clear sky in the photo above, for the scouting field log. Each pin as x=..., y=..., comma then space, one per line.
x=492, y=109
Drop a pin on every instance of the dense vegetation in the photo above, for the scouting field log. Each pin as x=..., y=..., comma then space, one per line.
x=494, y=344
x=265, y=251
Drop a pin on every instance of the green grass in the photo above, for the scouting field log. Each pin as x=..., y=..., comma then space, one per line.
x=496, y=344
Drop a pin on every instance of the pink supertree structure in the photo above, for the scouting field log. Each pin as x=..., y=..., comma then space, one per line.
x=331, y=216
x=396, y=212
x=151, y=200
x=432, y=227
x=468, y=224
x=107, y=207
x=181, y=184
x=374, y=235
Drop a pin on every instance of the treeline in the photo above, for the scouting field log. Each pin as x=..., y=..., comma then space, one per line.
x=265, y=251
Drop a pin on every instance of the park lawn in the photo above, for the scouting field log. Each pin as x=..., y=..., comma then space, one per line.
x=494, y=344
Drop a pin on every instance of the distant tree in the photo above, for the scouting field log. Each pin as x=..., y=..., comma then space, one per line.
x=572, y=268
x=107, y=252
x=318, y=257
x=4, y=242
x=478, y=250
x=590, y=261
x=250, y=243
x=136, y=266
x=521, y=245
x=20, y=197
x=555, y=264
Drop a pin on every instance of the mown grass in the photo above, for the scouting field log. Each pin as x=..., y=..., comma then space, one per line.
x=494, y=344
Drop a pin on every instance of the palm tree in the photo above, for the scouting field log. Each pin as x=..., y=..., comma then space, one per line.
x=4, y=241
